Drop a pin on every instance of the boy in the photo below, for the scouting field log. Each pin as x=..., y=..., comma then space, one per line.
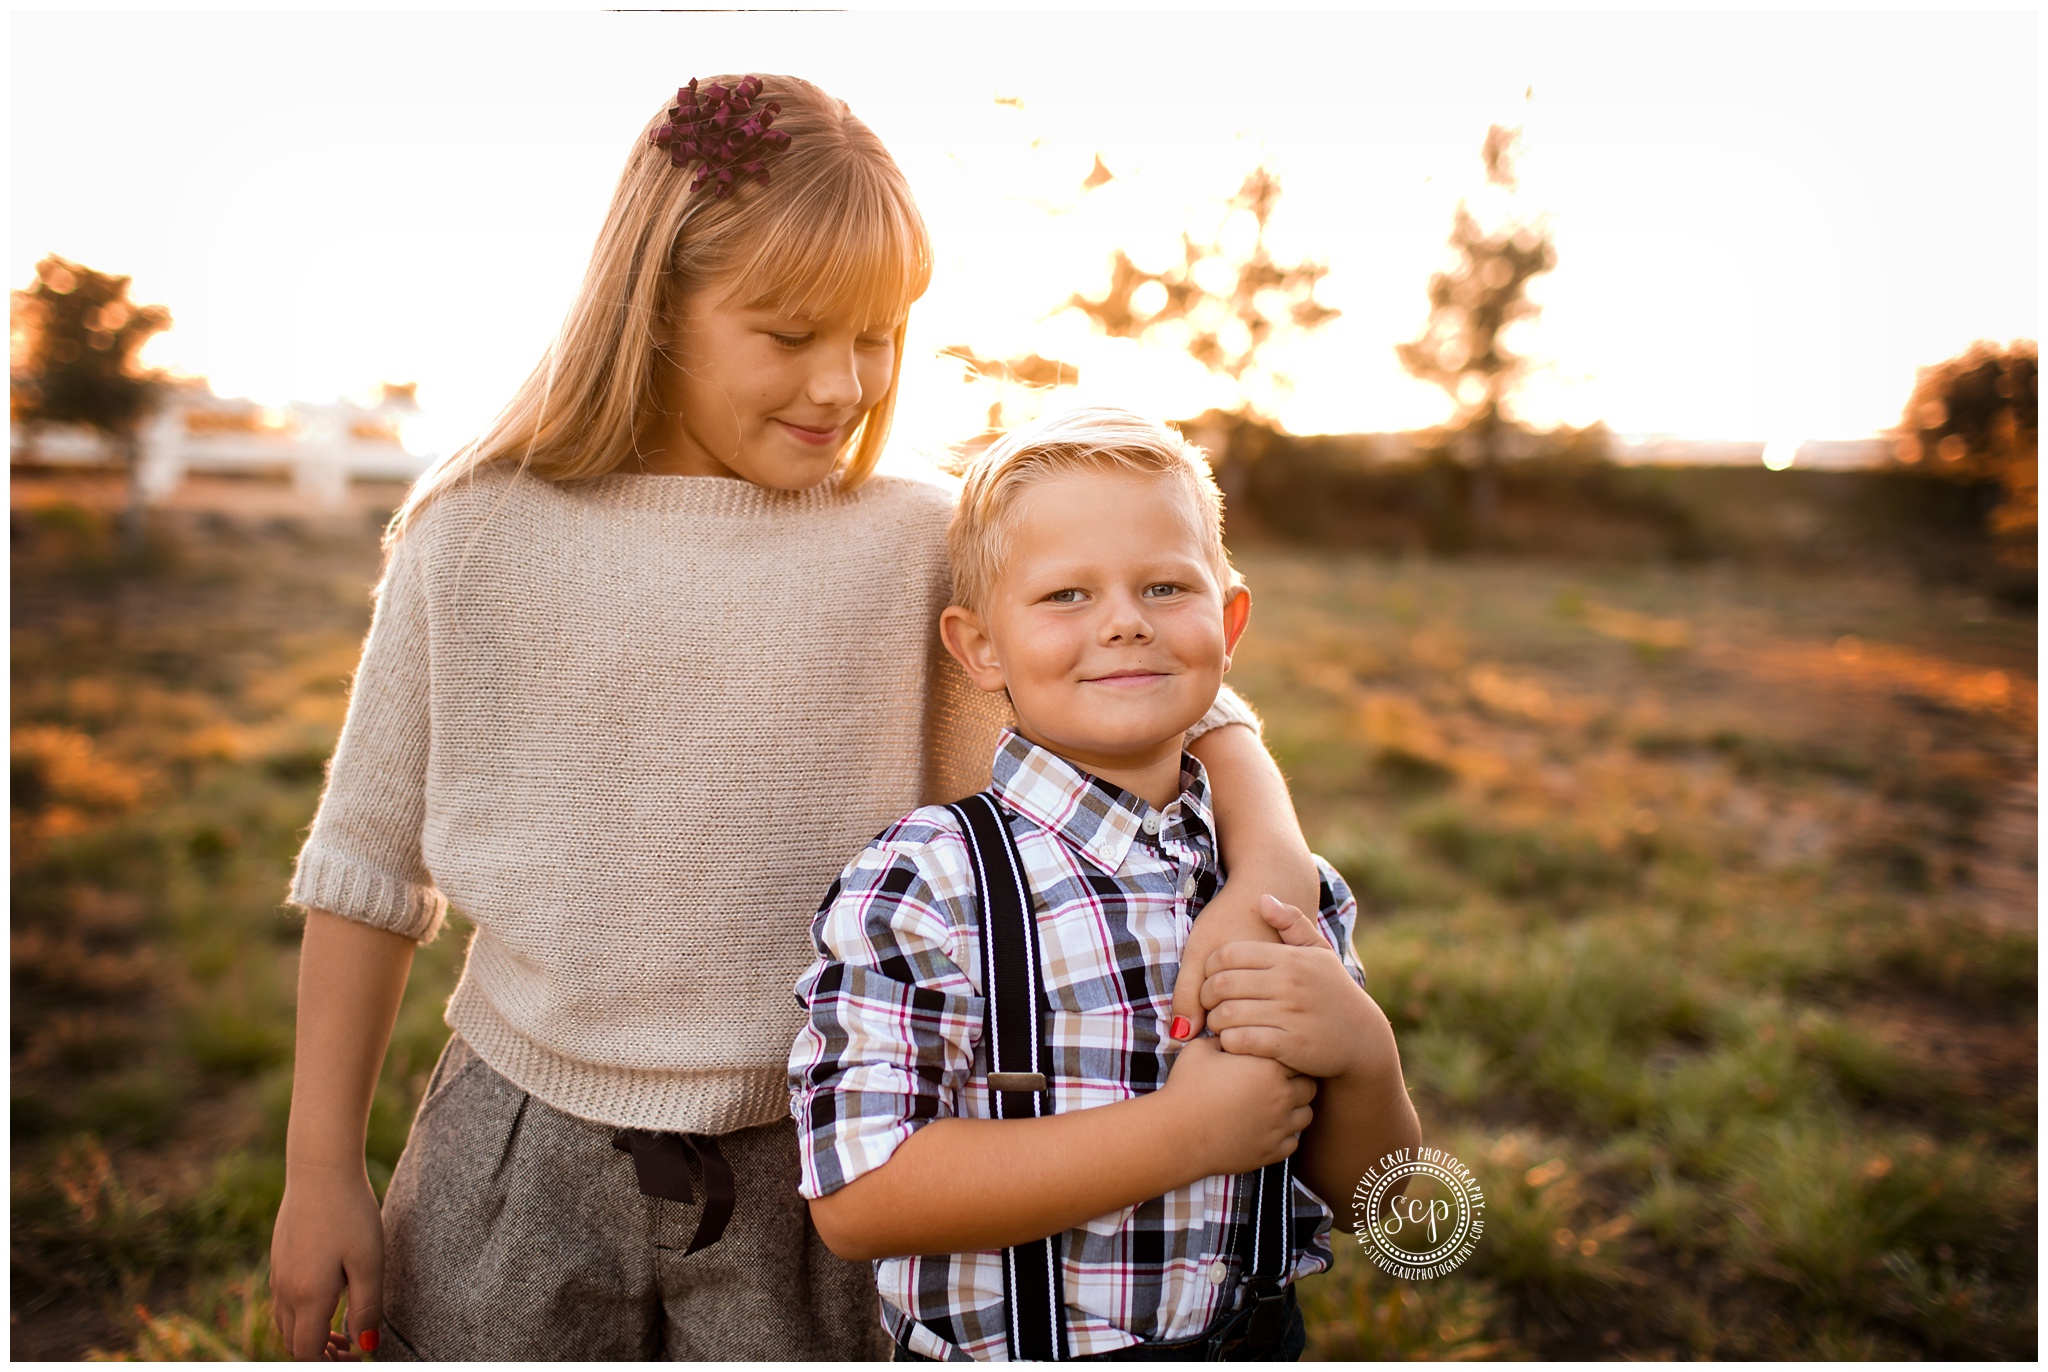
x=1095, y=1205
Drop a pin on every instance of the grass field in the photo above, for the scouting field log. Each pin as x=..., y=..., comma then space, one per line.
x=1702, y=900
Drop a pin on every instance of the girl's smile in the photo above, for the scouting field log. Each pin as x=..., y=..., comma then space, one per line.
x=833, y=436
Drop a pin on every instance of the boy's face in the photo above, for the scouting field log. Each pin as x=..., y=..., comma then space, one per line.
x=1106, y=624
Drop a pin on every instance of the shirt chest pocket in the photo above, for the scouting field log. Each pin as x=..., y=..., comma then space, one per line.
x=1109, y=988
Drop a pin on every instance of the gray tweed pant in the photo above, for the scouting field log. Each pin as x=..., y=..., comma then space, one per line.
x=514, y=1231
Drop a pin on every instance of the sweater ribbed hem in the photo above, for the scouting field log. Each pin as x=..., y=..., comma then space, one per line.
x=699, y=1101
x=328, y=881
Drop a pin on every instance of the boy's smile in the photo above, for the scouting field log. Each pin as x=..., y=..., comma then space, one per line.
x=1107, y=625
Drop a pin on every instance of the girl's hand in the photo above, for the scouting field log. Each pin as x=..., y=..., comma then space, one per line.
x=1244, y=1112
x=1233, y=915
x=1293, y=1001
x=330, y=1235
x=329, y=1238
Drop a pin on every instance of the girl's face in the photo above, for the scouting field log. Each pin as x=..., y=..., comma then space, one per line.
x=762, y=395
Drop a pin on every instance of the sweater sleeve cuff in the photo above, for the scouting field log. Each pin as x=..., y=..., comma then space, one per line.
x=1230, y=708
x=327, y=881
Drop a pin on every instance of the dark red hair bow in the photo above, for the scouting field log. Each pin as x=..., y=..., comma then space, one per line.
x=724, y=130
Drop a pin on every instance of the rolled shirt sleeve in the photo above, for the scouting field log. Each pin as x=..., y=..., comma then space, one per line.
x=893, y=1019
x=1338, y=914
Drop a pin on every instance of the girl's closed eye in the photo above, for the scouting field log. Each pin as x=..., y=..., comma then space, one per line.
x=792, y=340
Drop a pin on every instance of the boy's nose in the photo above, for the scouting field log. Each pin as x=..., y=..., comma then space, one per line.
x=1126, y=623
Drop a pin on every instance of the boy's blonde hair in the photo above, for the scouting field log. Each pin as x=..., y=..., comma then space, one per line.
x=1097, y=438
x=835, y=230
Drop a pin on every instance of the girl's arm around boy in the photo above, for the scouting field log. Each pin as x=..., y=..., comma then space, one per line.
x=1262, y=845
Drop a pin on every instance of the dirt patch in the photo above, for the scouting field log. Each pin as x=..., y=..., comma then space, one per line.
x=1980, y=1059
x=2005, y=874
x=61, y=1331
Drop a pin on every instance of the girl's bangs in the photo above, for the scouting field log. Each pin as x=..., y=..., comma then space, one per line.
x=854, y=250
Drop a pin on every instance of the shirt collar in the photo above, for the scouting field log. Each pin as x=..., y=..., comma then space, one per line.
x=1099, y=819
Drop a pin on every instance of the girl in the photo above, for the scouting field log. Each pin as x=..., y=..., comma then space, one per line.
x=649, y=660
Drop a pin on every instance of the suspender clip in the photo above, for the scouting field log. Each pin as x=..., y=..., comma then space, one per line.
x=1016, y=1081
x=1268, y=1301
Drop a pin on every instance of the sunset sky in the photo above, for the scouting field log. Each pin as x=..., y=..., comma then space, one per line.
x=1764, y=222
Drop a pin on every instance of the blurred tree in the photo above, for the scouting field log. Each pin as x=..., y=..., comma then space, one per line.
x=1028, y=373
x=1029, y=370
x=74, y=338
x=1977, y=416
x=1470, y=307
x=1228, y=304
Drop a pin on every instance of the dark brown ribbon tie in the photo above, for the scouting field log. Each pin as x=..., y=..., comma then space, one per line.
x=662, y=1164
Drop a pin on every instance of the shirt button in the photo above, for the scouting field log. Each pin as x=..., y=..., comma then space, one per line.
x=1152, y=823
x=1218, y=1273
x=1187, y=888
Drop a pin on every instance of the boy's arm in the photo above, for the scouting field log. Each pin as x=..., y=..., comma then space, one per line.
x=968, y=1185
x=1261, y=844
x=1297, y=1003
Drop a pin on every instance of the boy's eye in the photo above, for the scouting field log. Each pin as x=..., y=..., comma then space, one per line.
x=1161, y=588
x=1070, y=596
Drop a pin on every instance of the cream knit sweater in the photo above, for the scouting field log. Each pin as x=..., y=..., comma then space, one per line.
x=633, y=728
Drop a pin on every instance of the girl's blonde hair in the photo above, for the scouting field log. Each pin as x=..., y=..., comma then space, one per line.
x=835, y=230
x=1098, y=438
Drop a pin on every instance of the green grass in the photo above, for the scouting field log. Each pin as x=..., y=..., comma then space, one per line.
x=173, y=706
x=1699, y=957
x=1700, y=936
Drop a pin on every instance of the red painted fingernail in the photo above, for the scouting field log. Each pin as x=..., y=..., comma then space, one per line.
x=1180, y=1028
x=367, y=1340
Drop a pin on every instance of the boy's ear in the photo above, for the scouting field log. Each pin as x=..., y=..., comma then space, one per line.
x=961, y=630
x=1237, y=612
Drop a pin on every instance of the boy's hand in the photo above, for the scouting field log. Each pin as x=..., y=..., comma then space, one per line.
x=1233, y=915
x=1244, y=1112
x=1292, y=1002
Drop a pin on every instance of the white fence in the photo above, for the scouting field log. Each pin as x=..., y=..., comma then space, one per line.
x=321, y=447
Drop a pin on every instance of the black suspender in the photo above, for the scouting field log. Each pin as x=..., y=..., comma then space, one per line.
x=1266, y=1250
x=1020, y=1088
x=1017, y=1060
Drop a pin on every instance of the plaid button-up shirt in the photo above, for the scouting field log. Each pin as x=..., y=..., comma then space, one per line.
x=894, y=1041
